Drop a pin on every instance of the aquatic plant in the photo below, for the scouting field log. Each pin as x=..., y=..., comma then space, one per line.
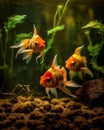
x=55, y=28
x=8, y=35
x=56, y=25
x=94, y=49
x=5, y=39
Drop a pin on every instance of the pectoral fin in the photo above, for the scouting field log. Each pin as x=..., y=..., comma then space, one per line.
x=27, y=54
x=40, y=56
x=80, y=75
x=87, y=71
x=72, y=84
x=67, y=91
x=72, y=74
x=19, y=51
x=51, y=91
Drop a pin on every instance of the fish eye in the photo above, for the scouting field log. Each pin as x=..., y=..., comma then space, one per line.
x=73, y=63
x=36, y=43
x=48, y=80
x=62, y=85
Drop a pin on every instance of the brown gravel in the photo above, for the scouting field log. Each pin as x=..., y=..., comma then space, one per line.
x=31, y=113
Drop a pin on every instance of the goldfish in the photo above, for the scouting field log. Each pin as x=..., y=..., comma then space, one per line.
x=56, y=77
x=77, y=63
x=29, y=46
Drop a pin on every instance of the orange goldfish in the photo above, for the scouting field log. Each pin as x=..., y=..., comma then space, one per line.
x=77, y=64
x=56, y=77
x=30, y=46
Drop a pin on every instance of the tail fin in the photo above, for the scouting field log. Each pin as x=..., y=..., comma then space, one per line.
x=27, y=54
x=20, y=44
x=19, y=51
x=23, y=43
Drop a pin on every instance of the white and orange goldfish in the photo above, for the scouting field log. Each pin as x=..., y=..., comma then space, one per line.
x=56, y=77
x=77, y=64
x=29, y=46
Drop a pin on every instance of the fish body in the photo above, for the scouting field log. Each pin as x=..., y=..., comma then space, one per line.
x=56, y=77
x=29, y=46
x=77, y=63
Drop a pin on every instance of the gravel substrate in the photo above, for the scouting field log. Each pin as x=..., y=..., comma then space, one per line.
x=30, y=113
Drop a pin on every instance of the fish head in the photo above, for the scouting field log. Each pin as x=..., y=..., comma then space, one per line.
x=72, y=63
x=47, y=80
x=39, y=43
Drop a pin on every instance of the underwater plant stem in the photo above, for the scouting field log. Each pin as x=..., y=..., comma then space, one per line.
x=63, y=11
x=54, y=23
x=3, y=67
x=87, y=33
x=2, y=53
x=50, y=42
x=5, y=49
x=102, y=38
x=11, y=62
x=7, y=94
x=1, y=44
x=16, y=95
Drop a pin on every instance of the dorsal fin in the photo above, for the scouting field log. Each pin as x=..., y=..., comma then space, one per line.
x=78, y=50
x=54, y=62
x=35, y=31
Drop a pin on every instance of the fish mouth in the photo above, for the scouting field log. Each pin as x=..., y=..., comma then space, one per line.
x=41, y=47
x=42, y=83
x=67, y=66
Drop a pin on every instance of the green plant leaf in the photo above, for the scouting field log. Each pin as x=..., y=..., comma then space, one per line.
x=21, y=36
x=13, y=21
x=93, y=24
x=55, y=29
x=98, y=68
x=94, y=50
x=90, y=48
